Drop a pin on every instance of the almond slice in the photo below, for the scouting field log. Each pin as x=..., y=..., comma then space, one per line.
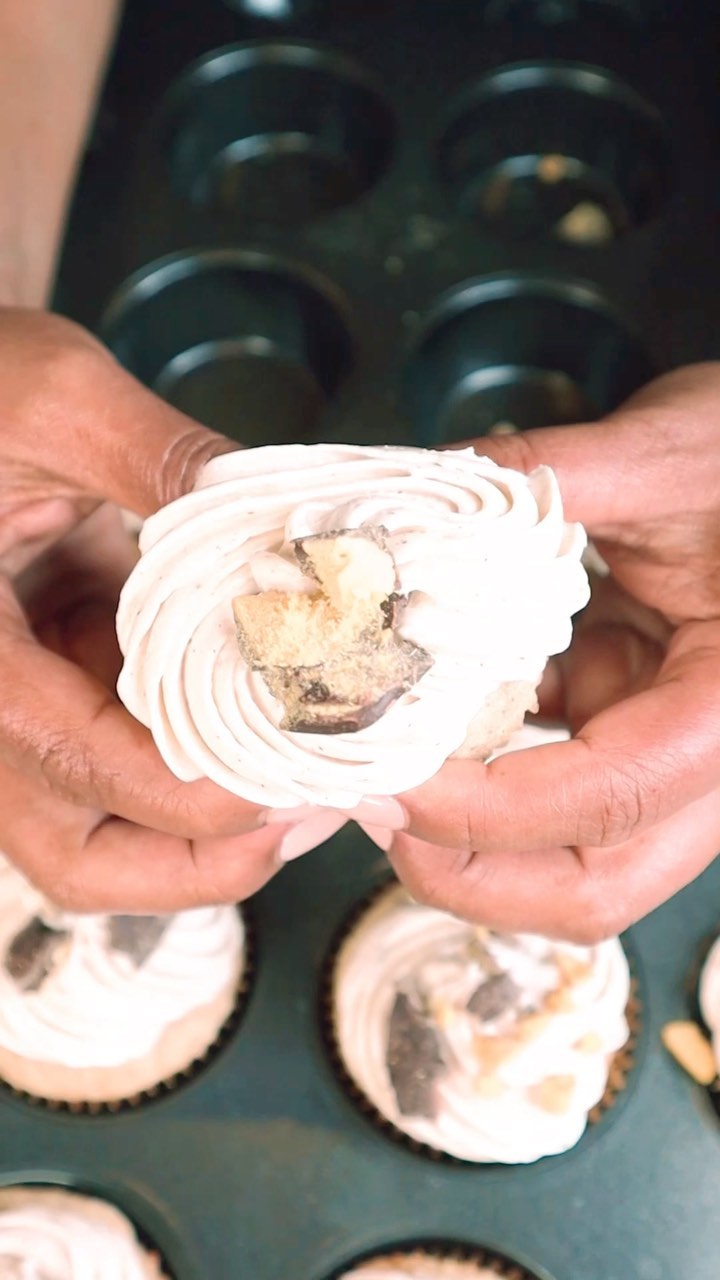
x=688, y=1046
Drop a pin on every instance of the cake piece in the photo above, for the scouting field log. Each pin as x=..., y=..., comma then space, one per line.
x=333, y=656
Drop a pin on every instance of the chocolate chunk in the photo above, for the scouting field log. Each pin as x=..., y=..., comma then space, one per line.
x=136, y=936
x=414, y=1059
x=493, y=997
x=31, y=954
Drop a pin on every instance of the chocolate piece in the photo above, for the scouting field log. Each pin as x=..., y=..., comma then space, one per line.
x=333, y=657
x=414, y=1059
x=31, y=954
x=496, y=994
x=136, y=936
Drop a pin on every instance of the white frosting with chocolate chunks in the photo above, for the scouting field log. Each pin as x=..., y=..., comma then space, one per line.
x=103, y=995
x=490, y=569
x=487, y=1046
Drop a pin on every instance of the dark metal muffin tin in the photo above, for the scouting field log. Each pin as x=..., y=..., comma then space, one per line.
x=347, y=229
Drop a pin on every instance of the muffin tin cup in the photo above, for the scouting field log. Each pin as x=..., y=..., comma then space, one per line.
x=167, y=1088
x=275, y=132
x=487, y=1257
x=557, y=150
x=246, y=342
x=518, y=351
x=622, y=1073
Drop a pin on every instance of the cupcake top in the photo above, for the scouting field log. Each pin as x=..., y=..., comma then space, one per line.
x=483, y=575
x=58, y=1235
x=710, y=998
x=97, y=990
x=419, y=1265
x=484, y=1045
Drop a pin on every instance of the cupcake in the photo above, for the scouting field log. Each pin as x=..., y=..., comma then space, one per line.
x=99, y=1009
x=481, y=1045
x=53, y=1234
x=433, y=1263
x=709, y=997
x=316, y=624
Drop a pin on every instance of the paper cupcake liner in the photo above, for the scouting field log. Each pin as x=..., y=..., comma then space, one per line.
x=623, y=1066
x=480, y=1256
x=180, y=1079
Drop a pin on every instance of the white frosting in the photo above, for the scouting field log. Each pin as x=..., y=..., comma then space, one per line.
x=492, y=571
x=710, y=997
x=96, y=1008
x=56, y=1235
x=402, y=946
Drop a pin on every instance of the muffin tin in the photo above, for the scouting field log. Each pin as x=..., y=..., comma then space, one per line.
x=306, y=220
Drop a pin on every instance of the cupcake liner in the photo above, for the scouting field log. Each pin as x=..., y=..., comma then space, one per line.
x=481, y=1256
x=623, y=1066
x=180, y=1079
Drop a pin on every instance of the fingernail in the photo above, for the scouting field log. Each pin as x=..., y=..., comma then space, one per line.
x=274, y=817
x=307, y=835
x=379, y=835
x=379, y=811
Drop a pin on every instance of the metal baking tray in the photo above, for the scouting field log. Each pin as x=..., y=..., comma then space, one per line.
x=322, y=230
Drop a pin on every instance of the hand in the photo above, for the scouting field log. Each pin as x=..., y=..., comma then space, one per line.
x=89, y=811
x=580, y=839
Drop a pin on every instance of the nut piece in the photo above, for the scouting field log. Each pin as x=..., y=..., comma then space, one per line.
x=333, y=656
x=688, y=1046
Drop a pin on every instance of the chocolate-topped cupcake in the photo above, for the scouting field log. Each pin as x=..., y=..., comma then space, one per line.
x=482, y=1045
x=53, y=1234
x=99, y=1009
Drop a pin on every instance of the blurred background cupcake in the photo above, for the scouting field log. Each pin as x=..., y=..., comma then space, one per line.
x=99, y=1009
x=52, y=1234
x=436, y=1261
x=481, y=1045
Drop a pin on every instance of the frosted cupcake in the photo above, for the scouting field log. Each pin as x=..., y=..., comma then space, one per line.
x=709, y=996
x=434, y=1263
x=51, y=1234
x=96, y=1009
x=314, y=624
x=481, y=1045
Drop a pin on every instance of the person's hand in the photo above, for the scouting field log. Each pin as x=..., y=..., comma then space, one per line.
x=88, y=810
x=580, y=839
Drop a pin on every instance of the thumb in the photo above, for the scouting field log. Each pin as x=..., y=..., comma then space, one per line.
x=625, y=466
x=73, y=413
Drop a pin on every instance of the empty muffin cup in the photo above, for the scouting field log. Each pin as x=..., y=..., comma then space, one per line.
x=555, y=150
x=519, y=351
x=275, y=132
x=243, y=342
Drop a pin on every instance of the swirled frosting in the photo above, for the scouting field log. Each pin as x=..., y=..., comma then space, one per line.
x=418, y=1265
x=58, y=1235
x=96, y=1006
x=487, y=1046
x=491, y=571
x=710, y=997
